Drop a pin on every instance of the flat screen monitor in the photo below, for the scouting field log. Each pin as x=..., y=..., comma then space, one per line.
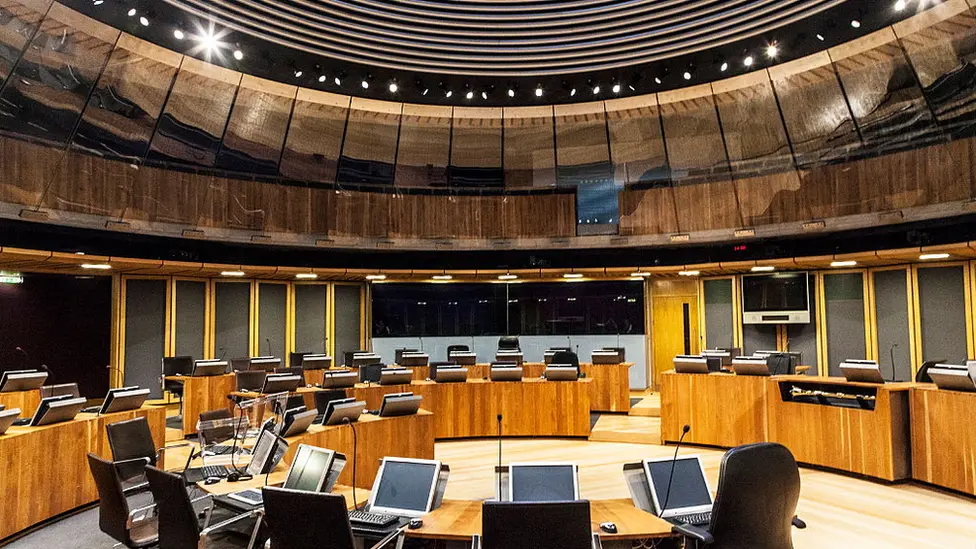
x=57, y=409
x=267, y=453
x=126, y=398
x=689, y=489
x=276, y=383
x=209, y=368
x=7, y=418
x=749, y=366
x=866, y=371
x=400, y=404
x=331, y=405
x=345, y=410
x=315, y=362
x=776, y=298
x=297, y=421
x=561, y=372
x=21, y=380
x=395, y=376
x=505, y=373
x=691, y=364
x=339, y=379
x=953, y=378
x=543, y=482
x=268, y=364
x=405, y=487
x=177, y=365
x=309, y=469
x=449, y=374
x=463, y=358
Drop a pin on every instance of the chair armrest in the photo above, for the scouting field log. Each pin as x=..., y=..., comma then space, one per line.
x=250, y=514
x=139, y=515
x=133, y=460
x=596, y=543
x=799, y=524
x=389, y=537
x=475, y=541
x=693, y=532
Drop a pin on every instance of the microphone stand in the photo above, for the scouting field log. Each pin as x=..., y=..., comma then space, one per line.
x=674, y=461
x=499, y=472
x=355, y=447
x=891, y=353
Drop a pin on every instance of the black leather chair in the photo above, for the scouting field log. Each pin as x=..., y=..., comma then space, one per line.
x=134, y=528
x=287, y=515
x=458, y=348
x=370, y=373
x=176, y=365
x=179, y=527
x=322, y=398
x=69, y=389
x=758, y=488
x=566, y=357
x=132, y=449
x=562, y=524
x=508, y=343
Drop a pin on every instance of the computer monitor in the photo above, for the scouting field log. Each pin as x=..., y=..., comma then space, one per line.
x=750, y=366
x=561, y=372
x=297, y=421
x=505, y=372
x=177, y=365
x=400, y=404
x=451, y=374
x=405, y=486
x=543, y=482
x=691, y=364
x=551, y=351
x=315, y=362
x=418, y=358
x=209, y=368
x=266, y=454
x=309, y=469
x=725, y=356
x=125, y=398
x=339, y=379
x=953, y=378
x=866, y=371
x=277, y=383
x=7, y=418
x=21, y=380
x=268, y=364
x=606, y=356
x=395, y=376
x=463, y=358
x=513, y=355
x=689, y=489
x=57, y=409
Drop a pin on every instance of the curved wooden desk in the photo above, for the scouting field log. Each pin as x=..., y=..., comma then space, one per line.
x=944, y=438
x=44, y=470
x=203, y=394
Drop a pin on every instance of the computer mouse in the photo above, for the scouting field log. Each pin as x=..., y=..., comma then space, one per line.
x=608, y=527
x=211, y=480
x=416, y=523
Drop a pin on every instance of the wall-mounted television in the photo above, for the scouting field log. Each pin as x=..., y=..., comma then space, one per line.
x=776, y=298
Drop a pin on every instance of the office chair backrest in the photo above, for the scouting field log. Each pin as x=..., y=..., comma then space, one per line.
x=70, y=389
x=508, y=343
x=566, y=357
x=562, y=524
x=252, y=380
x=131, y=439
x=287, y=519
x=371, y=372
x=781, y=364
x=113, y=509
x=178, y=525
x=294, y=401
x=458, y=348
x=214, y=435
x=322, y=398
x=758, y=489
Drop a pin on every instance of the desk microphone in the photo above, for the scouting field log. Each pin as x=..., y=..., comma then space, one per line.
x=355, y=446
x=421, y=338
x=26, y=356
x=891, y=352
x=499, y=472
x=674, y=461
x=223, y=353
x=270, y=351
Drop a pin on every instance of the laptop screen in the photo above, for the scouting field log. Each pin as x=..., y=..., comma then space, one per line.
x=405, y=485
x=543, y=483
x=688, y=487
x=308, y=470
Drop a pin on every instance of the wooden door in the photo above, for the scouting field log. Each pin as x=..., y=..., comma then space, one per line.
x=674, y=323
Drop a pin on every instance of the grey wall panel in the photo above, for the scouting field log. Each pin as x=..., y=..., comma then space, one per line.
x=942, y=312
x=844, y=307
x=891, y=310
x=347, y=320
x=191, y=302
x=758, y=337
x=272, y=317
x=718, y=313
x=311, y=303
x=232, y=319
x=802, y=338
x=145, y=333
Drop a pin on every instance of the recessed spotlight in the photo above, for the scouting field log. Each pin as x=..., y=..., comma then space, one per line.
x=686, y=75
x=306, y=276
x=689, y=273
x=615, y=88
x=232, y=273
x=573, y=275
x=238, y=54
x=442, y=277
x=365, y=85
x=484, y=95
x=763, y=268
x=298, y=74
x=338, y=82
x=640, y=274
x=843, y=263
x=899, y=5
x=469, y=95
x=820, y=37
x=96, y=266
x=538, y=92
x=178, y=34
x=855, y=23
x=375, y=277
x=425, y=91
x=724, y=67
x=449, y=93
x=144, y=21
x=657, y=80
x=508, y=276
x=98, y=2
x=572, y=92
x=132, y=12
x=511, y=92
x=322, y=78
x=929, y=257
x=596, y=90
x=747, y=61
x=771, y=51
x=394, y=87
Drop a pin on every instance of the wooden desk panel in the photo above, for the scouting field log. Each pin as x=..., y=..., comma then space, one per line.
x=458, y=520
x=45, y=469
x=722, y=409
x=27, y=401
x=406, y=436
x=203, y=394
x=944, y=438
x=610, y=391
x=874, y=443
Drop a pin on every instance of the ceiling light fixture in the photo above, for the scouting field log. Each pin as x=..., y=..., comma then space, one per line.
x=596, y=90
x=843, y=263
x=178, y=34
x=724, y=67
x=322, y=78
x=132, y=12
x=686, y=75
x=484, y=95
x=337, y=81
x=657, y=80
x=365, y=85
x=573, y=275
x=511, y=92
x=763, y=268
x=469, y=95
x=449, y=93
x=442, y=277
x=929, y=257
x=232, y=273
x=689, y=273
x=508, y=276
x=572, y=92
x=747, y=61
x=615, y=88
x=899, y=5
x=640, y=274
x=238, y=54
x=538, y=91
x=306, y=276
x=394, y=87
x=144, y=21
x=820, y=37
x=376, y=277
x=96, y=266
x=855, y=23
x=771, y=51
x=298, y=74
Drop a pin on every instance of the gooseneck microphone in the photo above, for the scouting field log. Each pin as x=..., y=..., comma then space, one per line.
x=355, y=453
x=499, y=471
x=223, y=353
x=891, y=353
x=674, y=461
x=270, y=351
x=26, y=356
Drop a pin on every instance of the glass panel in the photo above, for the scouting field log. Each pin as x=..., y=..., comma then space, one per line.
x=122, y=111
x=582, y=151
x=18, y=21
x=315, y=136
x=257, y=127
x=425, y=146
x=636, y=142
x=476, y=148
x=692, y=135
x=195, y=116
x=530, y=155
x=369, y=150
x=50, y=85
x=753, y=129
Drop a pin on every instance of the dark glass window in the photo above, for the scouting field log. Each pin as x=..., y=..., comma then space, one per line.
x=427, y=310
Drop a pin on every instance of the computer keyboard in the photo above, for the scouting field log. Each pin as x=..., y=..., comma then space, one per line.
x=250, y=497
x=371, y=520
x=696, y=519
x=208, y=471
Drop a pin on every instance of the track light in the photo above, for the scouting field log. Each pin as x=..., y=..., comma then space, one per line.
x=596, y=90
x=469, y=95
x=724, y=67
x=615, y=88
x=238, y=54
x=855, y=23
x=511, y=92
x=771, y=51
x=365, y=85
x=538, y=91
x=394, y=87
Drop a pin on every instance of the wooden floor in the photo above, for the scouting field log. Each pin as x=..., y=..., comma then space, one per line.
x=840, y=511
x=649, y=405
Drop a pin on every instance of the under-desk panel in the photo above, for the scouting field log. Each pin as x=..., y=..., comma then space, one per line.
x=722, y=409
x=944, y=438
